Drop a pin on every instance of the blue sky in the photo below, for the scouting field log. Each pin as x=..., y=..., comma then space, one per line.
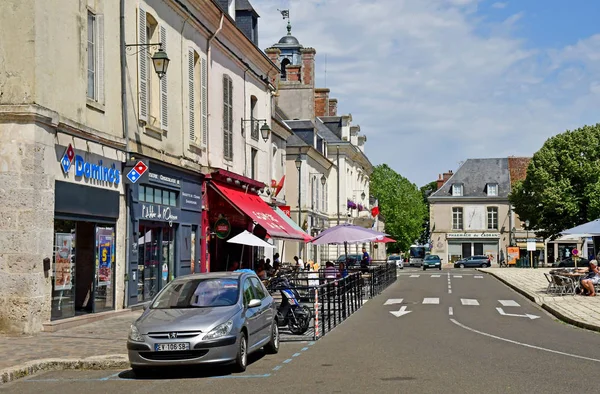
x=435, y=82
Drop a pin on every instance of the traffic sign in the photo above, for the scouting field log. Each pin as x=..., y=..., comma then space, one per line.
x=575, y=252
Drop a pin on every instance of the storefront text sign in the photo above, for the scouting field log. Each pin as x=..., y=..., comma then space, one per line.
x=191, y=196
x=287, y=210
x=163, y=179
x=472, y=235
x=222, y=228
x=158, y=212
x=87, y=170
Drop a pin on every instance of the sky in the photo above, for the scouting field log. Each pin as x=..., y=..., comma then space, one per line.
x=433, y=83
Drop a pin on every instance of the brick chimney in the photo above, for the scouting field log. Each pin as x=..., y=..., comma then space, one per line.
x=442, y=179
x=308, y=66
x=293, y=72
x=333, y=107
x=321, y=102
x=447, y=175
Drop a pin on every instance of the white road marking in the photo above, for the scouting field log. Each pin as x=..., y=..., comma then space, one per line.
x=466, y=301
x=449, y=284
x=458, y=276
x=508, y=303
x=449, y=291
x=415, y=276
x=431, y=300
x=401, y=312
x=435, y=276
x=524, y=344
x=532, y=317
x=478, y=277
x=450, y=311
x=393, y=301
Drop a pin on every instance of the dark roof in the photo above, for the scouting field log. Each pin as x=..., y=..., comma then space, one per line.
x=325, y=132
x=289, y=40
x=243, y=5
x=333, y=123
x=294, y=140
x=475, y=174
x=300, y=124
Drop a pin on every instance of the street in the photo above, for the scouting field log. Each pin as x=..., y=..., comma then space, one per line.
x=452, y=331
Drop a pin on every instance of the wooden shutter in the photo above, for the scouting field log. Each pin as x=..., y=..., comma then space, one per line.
x=230, y=118
x=226, y=151
x=192, y=103
x=142, y=67
x=204, y=103
x=164, y=107
x=100, y=68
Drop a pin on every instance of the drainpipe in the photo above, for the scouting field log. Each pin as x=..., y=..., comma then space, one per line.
x=208, y=69
x=126, y=135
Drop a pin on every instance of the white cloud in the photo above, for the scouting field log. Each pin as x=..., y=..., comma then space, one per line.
x=430, y=89
x=499, y=5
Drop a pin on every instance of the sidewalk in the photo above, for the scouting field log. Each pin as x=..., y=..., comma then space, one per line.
x=97, y=345
x=577, y=310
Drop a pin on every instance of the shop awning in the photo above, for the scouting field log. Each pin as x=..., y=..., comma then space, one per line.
x=260, y=212
x=293, y=224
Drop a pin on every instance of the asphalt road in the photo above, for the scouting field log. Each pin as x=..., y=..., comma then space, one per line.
x=455, y=342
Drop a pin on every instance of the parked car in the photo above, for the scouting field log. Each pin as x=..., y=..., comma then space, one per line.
x=395, y=259
x=473, y=261
x=209, y=318
x=432, y=261
x=569, y=262
x=352, y=262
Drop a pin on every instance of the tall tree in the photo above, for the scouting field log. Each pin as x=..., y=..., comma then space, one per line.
x=426, y=191
x=562, y=187
x=401, y=204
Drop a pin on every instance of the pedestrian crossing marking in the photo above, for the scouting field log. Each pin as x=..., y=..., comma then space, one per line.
x=458, y=276
x=434, y=301
x=415, y=276
x=466, y=301
x=478, y=277
x=393, y=301
x=435, y=276
x=508, y=303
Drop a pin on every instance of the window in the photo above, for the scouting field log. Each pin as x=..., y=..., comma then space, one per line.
x=95, y=57
x=254, y=122
x=253, y=163
x=457, y=218
x=248, y=291
x=259, y=290
x=284, y=64
x=157, y=196
x=492, y=218
x=457, y=189
x=492, y=189
x=227, y=117
x=153, y=106
x=194, y=95
x=323, y=193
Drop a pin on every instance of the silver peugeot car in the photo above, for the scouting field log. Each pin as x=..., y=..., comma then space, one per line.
x=205, y=319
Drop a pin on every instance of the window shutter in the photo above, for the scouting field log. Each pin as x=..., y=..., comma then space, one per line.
x=142, y=67
x=192, y=103
x=230, y=119
x=204, y=103
x=100, y=69
x=164, y=107
x=225, y=118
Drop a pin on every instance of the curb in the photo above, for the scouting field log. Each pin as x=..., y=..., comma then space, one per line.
x=515, y=288
x=115, y=361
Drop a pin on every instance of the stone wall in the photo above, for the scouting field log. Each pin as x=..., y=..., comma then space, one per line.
x=26, y=228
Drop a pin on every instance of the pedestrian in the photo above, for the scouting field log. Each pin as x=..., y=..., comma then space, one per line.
x=366, y=259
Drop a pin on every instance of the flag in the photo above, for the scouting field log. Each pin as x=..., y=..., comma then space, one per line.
x=285, y=13
x=279, y=185
x=375, y=211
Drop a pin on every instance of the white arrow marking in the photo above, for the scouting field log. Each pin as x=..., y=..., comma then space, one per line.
x=401, y=312
x=508, y=303
x=500, y=311
x=393, y=301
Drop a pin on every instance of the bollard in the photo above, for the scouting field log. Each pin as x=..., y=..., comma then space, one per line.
x=316, y=336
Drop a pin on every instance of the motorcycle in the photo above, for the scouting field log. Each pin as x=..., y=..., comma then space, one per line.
x=290, y=313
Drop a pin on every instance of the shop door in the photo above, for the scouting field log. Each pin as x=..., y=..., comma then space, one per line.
x=156, y=264
x=104, y=273
x=63, y=270
x=478, y=248
x=466, y=250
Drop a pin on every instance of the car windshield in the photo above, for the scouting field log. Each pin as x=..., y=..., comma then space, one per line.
x=394, y=257
x=198, y=293
x=432, y=257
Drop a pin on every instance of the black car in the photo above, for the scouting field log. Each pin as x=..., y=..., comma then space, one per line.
x=352, y=261
x=473, y=261
x=568, y=262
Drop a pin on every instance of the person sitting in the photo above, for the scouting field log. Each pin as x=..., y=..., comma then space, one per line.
x=234, y=266
x=342, y=271
x=591, y=278
x=268, y=267
x=260, y=270
x=299, y=263
x=330, y=271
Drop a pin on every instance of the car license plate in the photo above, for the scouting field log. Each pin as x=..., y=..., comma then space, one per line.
x=167, y=347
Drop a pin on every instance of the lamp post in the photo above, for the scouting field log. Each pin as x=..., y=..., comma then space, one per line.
x=298, y=163
x=528, y=251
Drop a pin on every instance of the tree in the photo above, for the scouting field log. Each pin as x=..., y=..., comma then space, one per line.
x=426, y=191
x=562, y=187
x=402, y=205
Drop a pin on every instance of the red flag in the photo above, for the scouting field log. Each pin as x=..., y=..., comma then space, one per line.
x=375, y=211
x=279, y=186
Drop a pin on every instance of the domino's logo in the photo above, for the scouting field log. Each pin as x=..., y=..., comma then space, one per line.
x=67, y=159
x=137, y=171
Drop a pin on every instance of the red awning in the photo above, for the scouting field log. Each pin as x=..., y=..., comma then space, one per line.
x=254, y=206
x=385, y=240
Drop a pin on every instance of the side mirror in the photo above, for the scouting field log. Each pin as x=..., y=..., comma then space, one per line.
x=254, y=303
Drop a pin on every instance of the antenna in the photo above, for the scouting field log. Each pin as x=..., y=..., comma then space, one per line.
x=325, y=70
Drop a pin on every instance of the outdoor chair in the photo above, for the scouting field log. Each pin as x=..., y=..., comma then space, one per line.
x=551, y=286
x=560, y=284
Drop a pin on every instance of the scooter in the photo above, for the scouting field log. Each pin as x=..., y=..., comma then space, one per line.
x=290, y=313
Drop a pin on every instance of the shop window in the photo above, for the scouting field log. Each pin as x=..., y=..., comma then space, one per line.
x=157, y=196
x=156, y=259
x=492, y=218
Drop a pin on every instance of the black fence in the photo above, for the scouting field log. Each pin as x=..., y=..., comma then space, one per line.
x=333, y=298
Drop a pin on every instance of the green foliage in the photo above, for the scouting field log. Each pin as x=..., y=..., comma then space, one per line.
x=426, y=191
x=562, y=188
x=401, y=204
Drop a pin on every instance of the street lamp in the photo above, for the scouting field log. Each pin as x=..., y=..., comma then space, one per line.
x=160, y=60
x=529, y=252
x=265, y=130
x=298, y=163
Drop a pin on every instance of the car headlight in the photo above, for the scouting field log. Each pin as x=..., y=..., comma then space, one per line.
x=220, y=330
x=134, y=334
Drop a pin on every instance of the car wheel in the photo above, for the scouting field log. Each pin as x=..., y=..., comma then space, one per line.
x=242, y=356
x=484, y=265
x=141, y=372
x=440, y=267
x=273, y=346
x=423, y=268
x=461, y=266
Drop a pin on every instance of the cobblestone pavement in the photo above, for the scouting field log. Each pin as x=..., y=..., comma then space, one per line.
x=575, y=309
x=104, y=337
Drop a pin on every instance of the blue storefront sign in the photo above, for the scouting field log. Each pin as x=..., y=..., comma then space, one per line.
x=98, y=171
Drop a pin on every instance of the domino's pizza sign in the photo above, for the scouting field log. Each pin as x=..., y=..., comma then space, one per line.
x=88, y=170
x=67, y=159
x=137, y=171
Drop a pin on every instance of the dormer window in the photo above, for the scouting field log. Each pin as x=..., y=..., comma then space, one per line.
x=457, y=189
x=492, y=189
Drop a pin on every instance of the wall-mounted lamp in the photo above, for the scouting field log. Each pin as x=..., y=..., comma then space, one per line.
x=160, y=60
x=229, y=180
x=265, y=130
x=237, y=182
